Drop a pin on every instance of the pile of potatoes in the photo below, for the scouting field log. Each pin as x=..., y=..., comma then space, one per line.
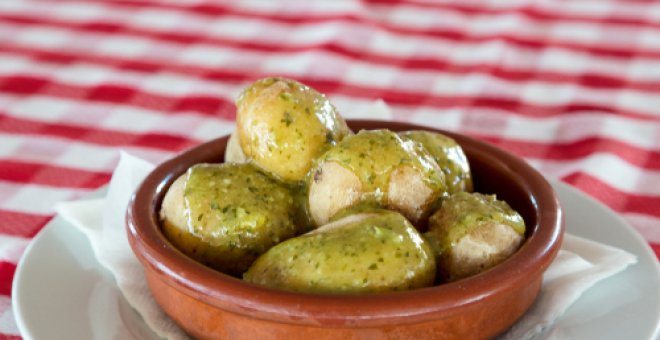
x=302, y=203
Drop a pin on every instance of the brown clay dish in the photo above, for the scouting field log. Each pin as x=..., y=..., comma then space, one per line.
x=209, y=304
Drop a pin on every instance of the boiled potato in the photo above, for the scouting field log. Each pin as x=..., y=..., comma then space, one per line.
x=370, y=252
x=376, y=168
x=284, y=125
x=226, y=215
x=449, y=156
x=173, y=208
x=472, y=232
x=233, y=152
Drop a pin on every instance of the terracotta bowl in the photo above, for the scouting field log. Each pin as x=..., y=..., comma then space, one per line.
x=209, y=304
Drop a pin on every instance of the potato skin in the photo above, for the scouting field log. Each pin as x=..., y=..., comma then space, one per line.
x=173, y=209
x=376, y=168
x=409, y=193
x=327, y=196
x=233, y=151
x=226, y=215
x=450, y=157
x=284, y=125
x=363, y=253
x=472, y=232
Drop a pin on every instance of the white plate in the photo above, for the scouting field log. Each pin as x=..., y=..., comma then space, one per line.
x=61, y=292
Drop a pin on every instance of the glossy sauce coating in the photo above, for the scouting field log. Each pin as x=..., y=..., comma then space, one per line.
x=284, y=125
x=364, y=253
x=449, y=156
x=299, y=152
x=375, y=168
x=234, y=213
x=373, y=155
x=463, y=212
x=472, y=232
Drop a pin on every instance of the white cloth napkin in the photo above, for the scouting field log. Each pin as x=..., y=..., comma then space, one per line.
x=580, y=263
x=102, y=221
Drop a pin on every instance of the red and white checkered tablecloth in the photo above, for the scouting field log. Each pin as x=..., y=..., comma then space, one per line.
x=571, y=86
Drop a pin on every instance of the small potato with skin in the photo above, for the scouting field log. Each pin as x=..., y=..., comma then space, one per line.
x=332, y=188
x=472, y=232
x=174, y=218
x=226, y=215
x=233, y=152
x=173, y=208
x=371, y=252
x=449, y=155
x=375, y=168
x=283, y=125
x=409, y=193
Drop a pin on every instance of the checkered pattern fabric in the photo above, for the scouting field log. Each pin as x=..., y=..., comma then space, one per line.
x=571, y=86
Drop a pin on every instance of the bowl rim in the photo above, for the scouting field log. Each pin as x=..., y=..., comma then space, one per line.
x=419, y=305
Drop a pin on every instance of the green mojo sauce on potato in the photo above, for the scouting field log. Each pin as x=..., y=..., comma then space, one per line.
x=363, y=253
x=292, y=164
x=284, y=125
x=233, y=213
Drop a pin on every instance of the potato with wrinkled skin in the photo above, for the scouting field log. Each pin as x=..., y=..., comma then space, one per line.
x=173, y=208
x=472, y=232
x=233, y=151
x=284, y=125
x=376, y=168
x=449, y=156
x=226, y=215
x=371, y=252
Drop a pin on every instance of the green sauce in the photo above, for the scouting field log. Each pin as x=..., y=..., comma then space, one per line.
x=381, y=252
x=238, y=206
x=358, y=208
x=464, y=212
x=373, y=155
x=284, y=125
x=449, y=156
